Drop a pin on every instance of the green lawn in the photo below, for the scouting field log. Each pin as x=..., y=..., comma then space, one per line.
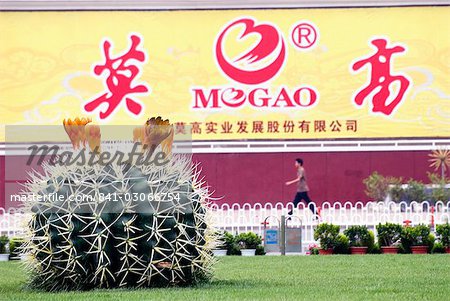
x=370, y=277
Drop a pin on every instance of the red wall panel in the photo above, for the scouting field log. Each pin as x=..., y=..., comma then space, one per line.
x=421, y=164
x=395, y=164
x=260, y=177
x=2, y=181
x=332, y=176
x=345, y=172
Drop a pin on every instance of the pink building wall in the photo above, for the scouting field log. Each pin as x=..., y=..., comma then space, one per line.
x=260, y=177
x=331, y=175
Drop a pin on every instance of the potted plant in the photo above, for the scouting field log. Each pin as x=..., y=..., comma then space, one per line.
x=327, y=235
x=389, y=236
x=248, y=242
x=313, y=249
x=415, y=191
x=3, y=243
x=443, y=232
x=359, y=239
x=377, y=187
x=438, y=248
x=418, y=239
x=15, y=247
x=342, y=245
x=396, y=191
x=221, y=246
x=439, y=190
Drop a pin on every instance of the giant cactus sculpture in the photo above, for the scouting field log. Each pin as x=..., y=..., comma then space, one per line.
x=119, y=225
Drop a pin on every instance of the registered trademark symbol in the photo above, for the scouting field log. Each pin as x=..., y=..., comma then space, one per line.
x=304, y=35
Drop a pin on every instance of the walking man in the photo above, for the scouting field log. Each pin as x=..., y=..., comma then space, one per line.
x=302, y=187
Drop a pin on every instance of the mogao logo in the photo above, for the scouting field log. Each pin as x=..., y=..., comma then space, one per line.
x=262, y=62
x=250, y=68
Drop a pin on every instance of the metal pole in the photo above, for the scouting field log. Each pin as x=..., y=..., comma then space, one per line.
x=283, y=235
x=265, y=233
x=301, y=236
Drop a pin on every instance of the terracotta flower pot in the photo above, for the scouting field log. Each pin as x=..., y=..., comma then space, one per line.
x=358, y=250
x=389, y=250
x=325, y=252
x=447, y=250
x=419, y=249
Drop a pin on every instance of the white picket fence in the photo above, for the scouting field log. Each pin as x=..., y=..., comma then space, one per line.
x=237, y=218
x=13, y=222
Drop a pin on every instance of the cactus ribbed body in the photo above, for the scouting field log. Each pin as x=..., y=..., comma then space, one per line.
x=118, y=226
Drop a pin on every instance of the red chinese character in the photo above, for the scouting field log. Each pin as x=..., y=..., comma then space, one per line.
x=119, y=81
x=381, y=78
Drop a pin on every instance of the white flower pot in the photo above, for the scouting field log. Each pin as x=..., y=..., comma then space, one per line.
x=248, y=252
x=218, y=252
x=4, y=257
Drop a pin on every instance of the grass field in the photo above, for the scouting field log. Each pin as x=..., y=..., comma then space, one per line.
x=370, y=277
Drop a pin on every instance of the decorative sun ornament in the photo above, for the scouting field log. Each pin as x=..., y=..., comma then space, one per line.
x=440, y=158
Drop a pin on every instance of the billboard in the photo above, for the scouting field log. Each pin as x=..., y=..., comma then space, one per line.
x=233, y=74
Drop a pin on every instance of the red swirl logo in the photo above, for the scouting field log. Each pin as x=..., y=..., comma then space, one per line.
x=259, y=64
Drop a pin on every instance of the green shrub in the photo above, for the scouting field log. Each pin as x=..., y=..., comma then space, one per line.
x=248, y=240
x=439, y=192
x=15, y=247
x=438, y=248
x=260, y=250
x=371, y=243
x=416, y=236
x=431, y=242
x=327, y=235
x=230, y=244
x=389, y=234
x=228, y=240
x=443, y=232
x=375, y=249
x=404, y=250
x=358, y=236
x=342, y=245
x=235, y=250
x=415, y=191
x=396, y=190
x=3, y=243
x=377, y=187
x=220, y=240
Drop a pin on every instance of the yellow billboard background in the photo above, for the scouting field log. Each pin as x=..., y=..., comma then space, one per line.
x=46, y=60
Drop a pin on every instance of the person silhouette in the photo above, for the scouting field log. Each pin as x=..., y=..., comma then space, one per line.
x=302, y=187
